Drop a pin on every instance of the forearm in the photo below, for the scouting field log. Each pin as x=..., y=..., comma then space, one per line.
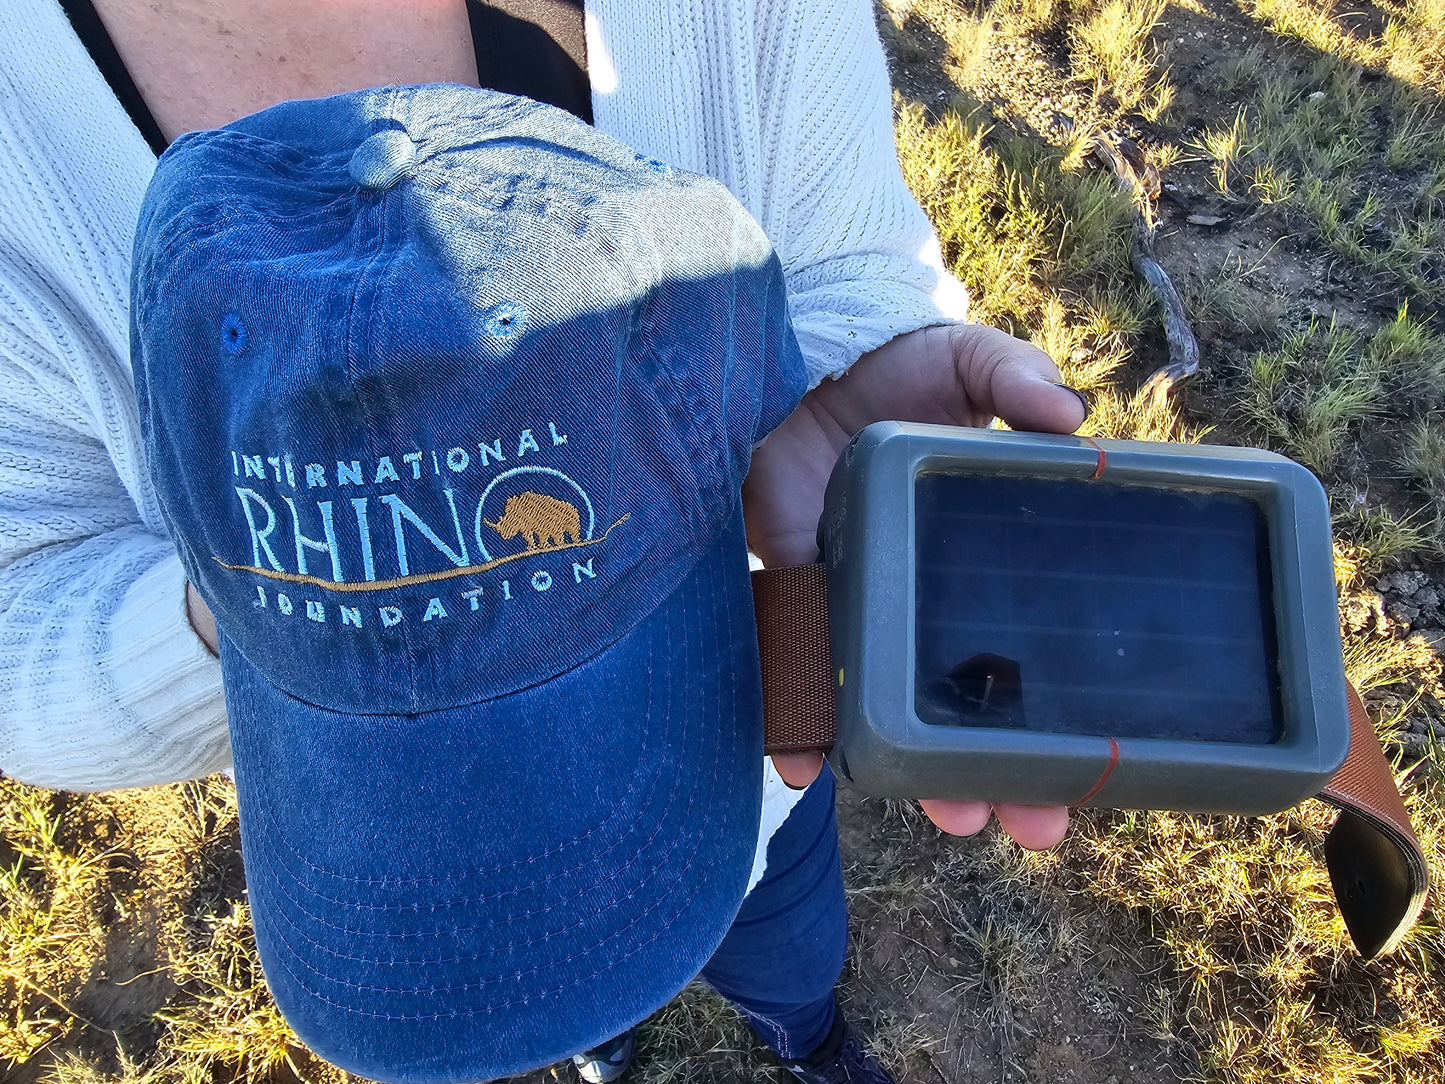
x=103, y=684
x=845, y=308
x=200, y=618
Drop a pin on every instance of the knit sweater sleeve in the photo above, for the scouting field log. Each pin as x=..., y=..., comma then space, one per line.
x=102, y=682
x=862, y=261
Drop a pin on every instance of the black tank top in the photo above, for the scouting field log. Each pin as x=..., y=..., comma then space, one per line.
x=535, y=48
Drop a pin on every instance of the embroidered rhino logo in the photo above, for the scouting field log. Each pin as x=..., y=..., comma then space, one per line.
x=541, y=520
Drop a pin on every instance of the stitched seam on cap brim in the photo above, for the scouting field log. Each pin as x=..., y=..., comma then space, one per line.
x=279, y=884
x=488, y=1010
x=612, y=963
x=273, y=837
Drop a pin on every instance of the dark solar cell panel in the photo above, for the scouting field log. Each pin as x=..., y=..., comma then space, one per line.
x=1074, y=608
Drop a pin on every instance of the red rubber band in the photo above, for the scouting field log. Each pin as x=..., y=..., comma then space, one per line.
x=1113, y=762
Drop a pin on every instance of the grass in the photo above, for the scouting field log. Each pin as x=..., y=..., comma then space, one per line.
x=1231, y=301
x=1306, y=396
x=53, y=912
x=1113, y=50
x=93, y=875
x=1423, y=459
x=1149, y=946
x=230, y=1021
x=1042, y=242
x=1263, y=985
x=1308, y=149
x=1316, y=394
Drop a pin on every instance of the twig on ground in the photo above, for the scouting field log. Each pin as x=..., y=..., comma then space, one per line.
x=1142, y=186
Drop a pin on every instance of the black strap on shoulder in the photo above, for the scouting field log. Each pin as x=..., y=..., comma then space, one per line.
x=535, y=48
x=97, y=41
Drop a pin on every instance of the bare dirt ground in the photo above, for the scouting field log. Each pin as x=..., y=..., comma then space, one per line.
x=1000, y=981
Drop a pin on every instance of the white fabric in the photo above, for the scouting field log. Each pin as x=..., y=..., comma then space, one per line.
x=102, y=682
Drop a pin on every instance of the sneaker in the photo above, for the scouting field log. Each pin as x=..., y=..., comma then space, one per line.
x=840, y=1059
x=608, y=1061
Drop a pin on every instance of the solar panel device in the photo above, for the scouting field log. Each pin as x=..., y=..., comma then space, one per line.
x=1060, y=620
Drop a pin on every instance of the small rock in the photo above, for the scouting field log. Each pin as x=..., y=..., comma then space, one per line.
x=1204, y=220
x=1362, y=611
x=1404, y=583
x=1402, y=613
x=1427, y=598
x=1435, y=637
x=1413, y=746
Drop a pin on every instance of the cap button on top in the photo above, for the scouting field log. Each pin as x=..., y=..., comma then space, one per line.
x=383, y=159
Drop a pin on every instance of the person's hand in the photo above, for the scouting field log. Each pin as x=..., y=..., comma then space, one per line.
x=956, y=374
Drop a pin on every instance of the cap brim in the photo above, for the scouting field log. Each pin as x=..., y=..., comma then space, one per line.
x=471, y=893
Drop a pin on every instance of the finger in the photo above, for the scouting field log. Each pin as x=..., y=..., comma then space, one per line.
x=783, y=491
x=1036, y=827
x=956, y=818
x=798, y=769
x=1015, y=381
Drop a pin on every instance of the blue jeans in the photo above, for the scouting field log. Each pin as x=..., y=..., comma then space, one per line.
x=782, y=957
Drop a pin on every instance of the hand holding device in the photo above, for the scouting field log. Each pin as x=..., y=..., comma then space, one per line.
x=1115, y=623
x=958, y=374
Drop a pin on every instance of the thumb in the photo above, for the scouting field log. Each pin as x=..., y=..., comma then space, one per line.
x=1015, y=381
x=798, y=770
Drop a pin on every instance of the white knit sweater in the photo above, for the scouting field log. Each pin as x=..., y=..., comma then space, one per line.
x=102, y=682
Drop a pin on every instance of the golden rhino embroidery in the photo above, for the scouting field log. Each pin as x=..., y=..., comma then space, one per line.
x=541, y=521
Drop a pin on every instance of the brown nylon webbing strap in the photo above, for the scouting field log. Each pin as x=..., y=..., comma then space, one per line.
x=1375, y=861
x=797, y=660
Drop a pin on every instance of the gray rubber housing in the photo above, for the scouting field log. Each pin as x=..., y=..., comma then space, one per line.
x=869, y=547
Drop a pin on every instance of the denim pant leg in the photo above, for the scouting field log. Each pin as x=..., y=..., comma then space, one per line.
x=782, y=957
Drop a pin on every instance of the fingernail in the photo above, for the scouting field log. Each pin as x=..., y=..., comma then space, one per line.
x=1082, y=398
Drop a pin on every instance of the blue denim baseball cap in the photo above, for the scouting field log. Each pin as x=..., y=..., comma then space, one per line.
x=448, y=399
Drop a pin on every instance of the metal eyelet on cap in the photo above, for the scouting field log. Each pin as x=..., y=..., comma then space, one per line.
x=505, y=320
x=233, y=334
x=660, y=168
x=383, y=159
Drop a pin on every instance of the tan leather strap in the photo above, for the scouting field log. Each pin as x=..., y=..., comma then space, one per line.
x=1375, y=861
x=1376, y=865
